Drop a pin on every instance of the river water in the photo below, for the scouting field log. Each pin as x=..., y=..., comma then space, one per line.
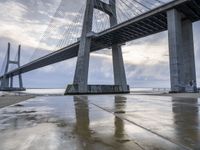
x=106, y=122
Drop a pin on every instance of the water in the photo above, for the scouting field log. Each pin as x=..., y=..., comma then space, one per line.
x=106, y=122
x=61, y=91
x=45, y=91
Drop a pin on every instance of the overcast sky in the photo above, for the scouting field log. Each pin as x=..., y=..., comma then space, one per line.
x=24, y=22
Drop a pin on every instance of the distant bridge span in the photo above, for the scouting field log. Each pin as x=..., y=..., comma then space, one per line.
x=146, y=24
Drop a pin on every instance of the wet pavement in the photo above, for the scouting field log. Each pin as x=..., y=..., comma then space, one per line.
x=107, y=122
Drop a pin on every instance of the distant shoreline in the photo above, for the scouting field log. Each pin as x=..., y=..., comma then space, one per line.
x=10, y=98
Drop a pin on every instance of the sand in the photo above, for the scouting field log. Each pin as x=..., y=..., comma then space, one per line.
x=6, y=100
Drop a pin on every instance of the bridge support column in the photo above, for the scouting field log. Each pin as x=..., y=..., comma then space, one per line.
x=82, y=66
x=4, y=83
x=181, y=52
x=7, y=81
x=80, y=85
x=118, y=68
x=18, y=64
x=11, y=82
x=118, y=63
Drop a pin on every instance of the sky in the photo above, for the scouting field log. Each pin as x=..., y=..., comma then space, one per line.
x=25, y=22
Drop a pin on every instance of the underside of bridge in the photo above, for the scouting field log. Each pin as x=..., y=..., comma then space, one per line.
x=181, y=49
x=176, y=17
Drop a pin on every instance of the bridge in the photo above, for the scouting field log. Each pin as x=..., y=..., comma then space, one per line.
x=176, y=16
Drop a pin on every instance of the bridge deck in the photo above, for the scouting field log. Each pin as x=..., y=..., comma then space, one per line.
x=149, y=23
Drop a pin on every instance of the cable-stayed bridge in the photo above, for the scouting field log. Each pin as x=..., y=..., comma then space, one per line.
x=175, y=16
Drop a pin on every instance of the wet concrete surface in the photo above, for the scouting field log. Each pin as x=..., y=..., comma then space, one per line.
x=109, y=122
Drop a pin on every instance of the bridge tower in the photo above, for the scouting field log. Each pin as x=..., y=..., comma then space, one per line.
x=80, y=83
x=181, y=52
x=7, y=81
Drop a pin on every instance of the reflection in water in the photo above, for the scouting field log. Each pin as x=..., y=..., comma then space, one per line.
x=52, y=122
x=88, y=139
x=186, y=120
x=82, y=117
x=119, y=123
x=83, y=120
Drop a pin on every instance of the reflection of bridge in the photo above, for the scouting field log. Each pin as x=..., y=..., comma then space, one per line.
x=176, y=16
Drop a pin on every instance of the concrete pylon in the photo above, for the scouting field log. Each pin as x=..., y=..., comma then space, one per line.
x=80, y=84
x=7, y=81
x=118, y=63
x=181, y=52
x=18, y=63
x=82, y=66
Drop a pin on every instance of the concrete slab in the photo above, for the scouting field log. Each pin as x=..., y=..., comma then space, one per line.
x=108, y=122
x=97, y=89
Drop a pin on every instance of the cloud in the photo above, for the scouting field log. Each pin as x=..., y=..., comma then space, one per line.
x=146, y=60
x=15, y=14
x=14, y=26
x=26, y=24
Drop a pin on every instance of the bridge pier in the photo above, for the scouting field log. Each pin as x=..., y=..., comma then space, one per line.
x=4, y=82
x=80, y=84
x=7, y=81
x=118, y=63
x=11, y=82
x=181, y=52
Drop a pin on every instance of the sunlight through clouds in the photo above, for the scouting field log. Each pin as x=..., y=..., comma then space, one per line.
x=25, y=21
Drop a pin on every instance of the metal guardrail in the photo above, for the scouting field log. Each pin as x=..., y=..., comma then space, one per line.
x=161, y=89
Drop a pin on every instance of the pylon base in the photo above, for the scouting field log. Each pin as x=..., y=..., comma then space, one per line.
x=73, y=89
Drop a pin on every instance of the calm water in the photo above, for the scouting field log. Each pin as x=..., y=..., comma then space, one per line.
x=101, y=122
x=61, y=91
